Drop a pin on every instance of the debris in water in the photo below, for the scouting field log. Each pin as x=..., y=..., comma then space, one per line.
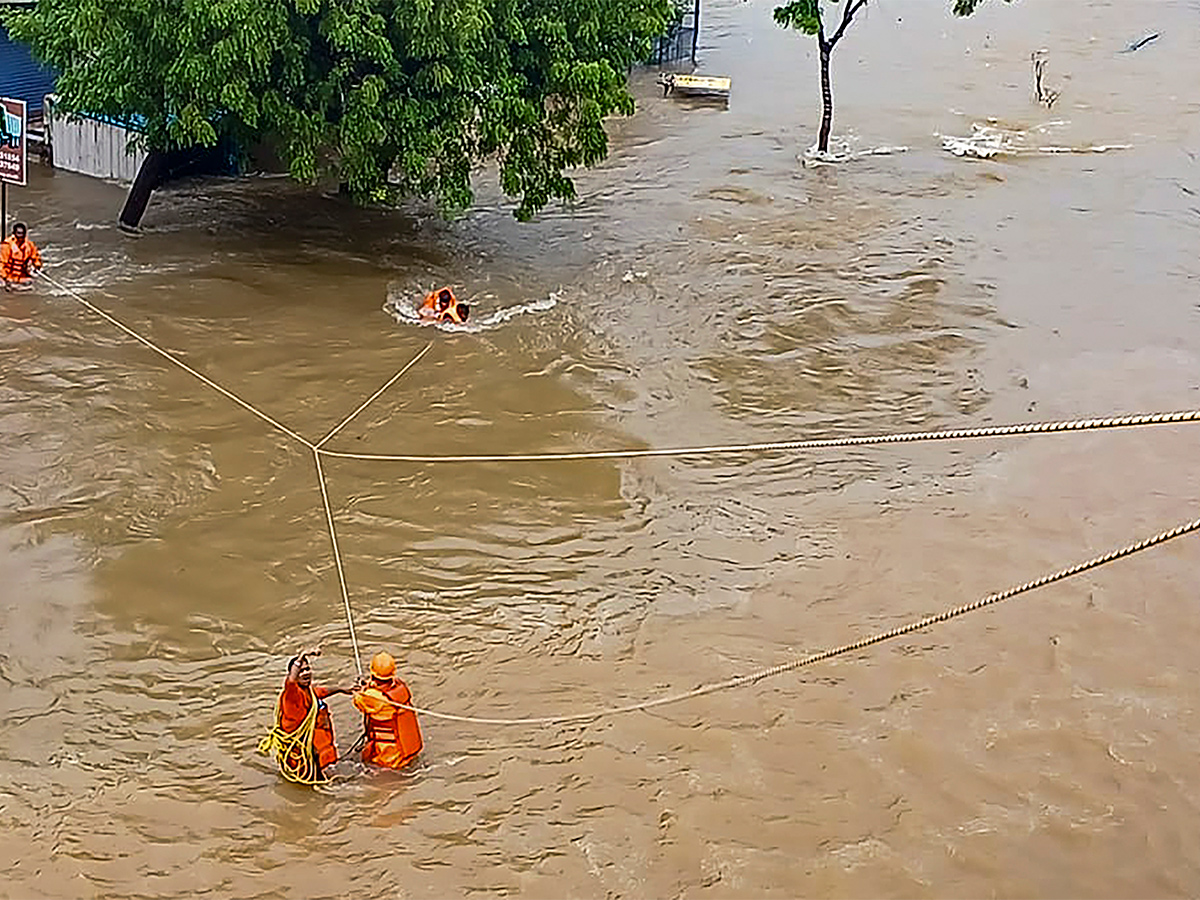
x=714, y=87
x=1138, y=44
x=843, y=150
x=984, y=142
x=1041, y=93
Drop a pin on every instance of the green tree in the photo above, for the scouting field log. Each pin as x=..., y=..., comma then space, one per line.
x=808, y=16
x=391, y=97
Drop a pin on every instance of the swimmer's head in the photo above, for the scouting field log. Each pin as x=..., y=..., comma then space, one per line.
x=445, y=298
x=463, y=311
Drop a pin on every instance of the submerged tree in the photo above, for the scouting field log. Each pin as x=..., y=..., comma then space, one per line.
x=391, y=97
x=808, y=16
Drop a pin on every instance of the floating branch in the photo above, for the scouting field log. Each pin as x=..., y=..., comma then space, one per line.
x=1041, y=93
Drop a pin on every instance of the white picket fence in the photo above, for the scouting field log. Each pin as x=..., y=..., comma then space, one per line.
x=91, y=147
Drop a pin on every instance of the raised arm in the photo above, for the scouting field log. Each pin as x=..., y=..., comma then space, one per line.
x=293, y=675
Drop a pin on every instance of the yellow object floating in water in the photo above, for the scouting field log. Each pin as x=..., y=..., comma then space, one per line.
x=717, y=86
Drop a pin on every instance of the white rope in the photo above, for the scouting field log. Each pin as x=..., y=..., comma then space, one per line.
x=337, y=558
x=773, y=446
x=167, y=356
x=346, y=421
x=952, y=434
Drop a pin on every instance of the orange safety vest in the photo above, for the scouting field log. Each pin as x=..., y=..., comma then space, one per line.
x=393, y=736
x=15, y=259
x=430, y=307
x=294, y=702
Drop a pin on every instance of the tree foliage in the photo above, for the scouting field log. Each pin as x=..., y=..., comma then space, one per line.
x=805, y=15
x=392, y=97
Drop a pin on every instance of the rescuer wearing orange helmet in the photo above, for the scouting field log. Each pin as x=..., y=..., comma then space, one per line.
x=393, y=737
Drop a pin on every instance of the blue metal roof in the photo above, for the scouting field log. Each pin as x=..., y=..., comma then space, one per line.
x=21, y=77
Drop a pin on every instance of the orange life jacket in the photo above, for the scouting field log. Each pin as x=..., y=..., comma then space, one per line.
x=393, y=736
x=15, y=259
x=431, y=309
x=294, y=702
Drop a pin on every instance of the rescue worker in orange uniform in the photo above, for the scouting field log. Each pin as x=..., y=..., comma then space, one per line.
x=295, y=702
x=19, y=258
x=393, y=736
x=442, y=306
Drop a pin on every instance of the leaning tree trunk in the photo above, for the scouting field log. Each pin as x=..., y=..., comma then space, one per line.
x=826, y=99
x=149, y=176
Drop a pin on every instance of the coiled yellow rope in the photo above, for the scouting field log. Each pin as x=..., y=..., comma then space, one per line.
x=293, y=750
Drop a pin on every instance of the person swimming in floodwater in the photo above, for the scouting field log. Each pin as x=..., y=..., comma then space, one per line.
x=442, y=306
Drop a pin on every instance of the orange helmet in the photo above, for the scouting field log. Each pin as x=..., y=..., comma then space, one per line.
x=383, y=666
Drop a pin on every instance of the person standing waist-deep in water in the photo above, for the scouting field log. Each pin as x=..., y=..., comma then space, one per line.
x=19, y=258
x=393, y=736
x=302, y=740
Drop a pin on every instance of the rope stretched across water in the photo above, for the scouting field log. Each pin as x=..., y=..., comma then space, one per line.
x=991, y=431
x=770, y=446
x=337, y=559
x=315, y=448
x=375, y=396
x=908, y=437
x=113, y=320
x=822, y=656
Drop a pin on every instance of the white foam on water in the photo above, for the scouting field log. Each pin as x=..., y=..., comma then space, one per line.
x=404, y=310
x=844, y=150
x=992, y=139
x=1090, y=148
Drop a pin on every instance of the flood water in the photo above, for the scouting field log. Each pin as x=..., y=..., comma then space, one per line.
x=164, y=552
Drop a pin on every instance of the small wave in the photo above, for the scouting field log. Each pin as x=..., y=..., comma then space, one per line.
x=1090, y=148
x=404, y=311
x=984, y=142
x=843, y=150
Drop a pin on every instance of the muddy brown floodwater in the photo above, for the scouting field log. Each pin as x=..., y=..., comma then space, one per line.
x=163, y=551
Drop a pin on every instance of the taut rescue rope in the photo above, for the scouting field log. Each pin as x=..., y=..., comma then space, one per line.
x=315, y=448
x=278, y=740
x=346, y=421
x=908, y=437
x=337, y=558
x=170, y=358
x=802, y=661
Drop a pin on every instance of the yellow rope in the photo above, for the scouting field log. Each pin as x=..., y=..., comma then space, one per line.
x=909, y=437
x=853, y=646
x=293, y=750
x=266, y=418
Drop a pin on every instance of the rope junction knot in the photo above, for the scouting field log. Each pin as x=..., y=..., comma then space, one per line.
x=298, y=766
